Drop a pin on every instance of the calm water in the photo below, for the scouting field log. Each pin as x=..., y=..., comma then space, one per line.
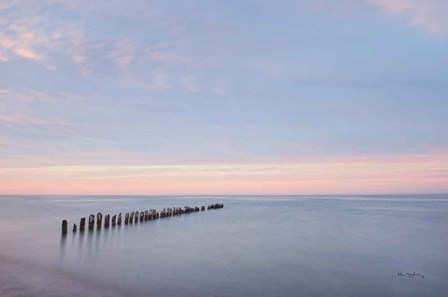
x=255, y=246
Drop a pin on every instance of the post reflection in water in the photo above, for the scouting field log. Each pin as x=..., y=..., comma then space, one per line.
x=92, y=242
x=105, y=239
x=97, y=240
x=62, y=246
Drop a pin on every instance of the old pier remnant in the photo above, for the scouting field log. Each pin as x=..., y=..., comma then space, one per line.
x=135, y=217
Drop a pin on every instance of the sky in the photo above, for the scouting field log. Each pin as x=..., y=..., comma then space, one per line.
x=223, y=97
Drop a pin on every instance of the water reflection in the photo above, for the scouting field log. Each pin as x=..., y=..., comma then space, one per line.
x=88, y=244
x=91, y=242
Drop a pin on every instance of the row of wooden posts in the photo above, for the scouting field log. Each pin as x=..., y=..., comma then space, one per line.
x=134, y=217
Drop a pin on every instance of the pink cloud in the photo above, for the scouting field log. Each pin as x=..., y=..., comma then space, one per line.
x=28, y=53
x=20, y=39
x=375, y=174
x=431, y=15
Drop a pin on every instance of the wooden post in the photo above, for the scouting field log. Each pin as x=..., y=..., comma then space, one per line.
x=126, y=218
x=82, y=224
x=64, y=227
x=114, y=220
x=136, y=217
x=99, y=220
x=74, y=228
x=91, y=221
x=106, y=221
x=119, y=219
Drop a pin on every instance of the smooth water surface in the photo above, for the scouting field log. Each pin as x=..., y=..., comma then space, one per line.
x=254, y=246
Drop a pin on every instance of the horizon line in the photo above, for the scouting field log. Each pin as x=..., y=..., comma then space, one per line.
x=227, y=195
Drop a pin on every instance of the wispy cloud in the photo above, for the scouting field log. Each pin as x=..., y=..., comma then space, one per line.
x=30, y=95
x=123, y=53
x=218, y=90
x=20, y=39
x=17, y=106
x=33, y=32
x=158, y=81
x=137, y=9
x=29, y=35
x=431, y=15
x=167, y=57
x=189, y=84
x=29, y=120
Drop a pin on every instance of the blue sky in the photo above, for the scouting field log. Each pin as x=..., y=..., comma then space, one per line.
x=223, y=83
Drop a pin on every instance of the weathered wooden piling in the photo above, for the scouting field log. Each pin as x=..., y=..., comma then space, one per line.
x=114, y=220
x=202, y=208
x=146, y=215
x=215, y=206
x=131, y=218
x=126, y=218
x=82, y=224
x=153, y=214
x=64, y=227
x=74, y=228
x=119, y=219
x=106, y=221
x=91, y=221
x=136, y=217
x=99, y=220
x=142, y=216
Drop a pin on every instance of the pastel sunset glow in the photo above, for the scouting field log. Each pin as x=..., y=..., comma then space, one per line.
x=223, y=97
